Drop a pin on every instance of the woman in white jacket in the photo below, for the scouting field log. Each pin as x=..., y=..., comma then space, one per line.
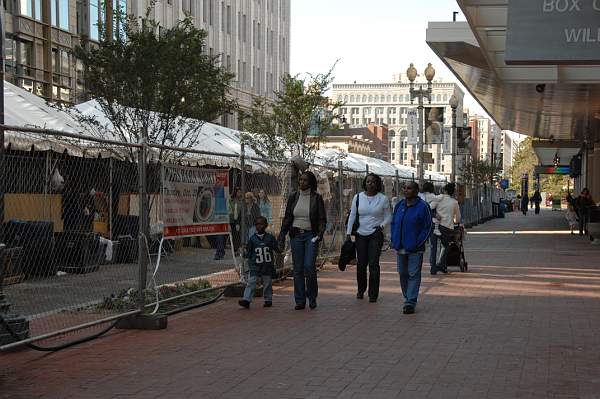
x=374, y=214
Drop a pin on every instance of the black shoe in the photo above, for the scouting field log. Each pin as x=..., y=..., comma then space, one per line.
x=408, y=310
x=218, y=257
x=433, y=273
x=443, y=270
x=268, y=304
x=312, y=305
x=372, y=300
x=244, y=303
x=360, y=296
x=299, y=307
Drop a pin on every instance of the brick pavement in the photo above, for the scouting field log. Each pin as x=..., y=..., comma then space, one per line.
x=524, y=323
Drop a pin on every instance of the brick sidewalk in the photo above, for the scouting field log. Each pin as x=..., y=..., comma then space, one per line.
x=524, y=323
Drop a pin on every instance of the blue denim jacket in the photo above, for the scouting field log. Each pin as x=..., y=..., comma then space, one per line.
x=411, y=225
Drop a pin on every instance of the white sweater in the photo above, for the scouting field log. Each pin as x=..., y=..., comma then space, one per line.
x=373, y=212
x=448, y=211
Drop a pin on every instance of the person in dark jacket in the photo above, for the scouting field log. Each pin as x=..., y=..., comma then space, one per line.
x=411, y=227
x=524, y=203
x=305, y=221
x=537, y=200
x=585, y=203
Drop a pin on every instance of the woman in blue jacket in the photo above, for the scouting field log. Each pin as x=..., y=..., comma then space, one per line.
x=411, y=226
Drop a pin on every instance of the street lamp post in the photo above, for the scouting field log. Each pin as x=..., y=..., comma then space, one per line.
x=453, y=104
x=420, y=93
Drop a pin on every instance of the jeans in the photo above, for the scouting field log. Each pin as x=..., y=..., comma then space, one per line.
x=409, y=269
x=433, y=245
x=368, y=250
x=251, y=287
x=304, y=256
x=584, y=219
x=220, y=246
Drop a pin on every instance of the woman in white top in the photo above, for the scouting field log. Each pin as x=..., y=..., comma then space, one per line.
x=374, y=215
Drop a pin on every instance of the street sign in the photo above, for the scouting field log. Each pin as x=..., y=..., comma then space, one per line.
x=427, y=157
x=413, y=127
x=447, y=147
x=434, y=125
x=504, y=184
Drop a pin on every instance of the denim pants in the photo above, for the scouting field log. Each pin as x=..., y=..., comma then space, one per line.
x=409, y=269
x=304, y=256
x=368, y=251
x=220, y=245
x=584, y=219
x=251, y=287
x=433, y=246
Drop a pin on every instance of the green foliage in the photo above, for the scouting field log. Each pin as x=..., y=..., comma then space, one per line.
x=162, y=86
x=295, y=121
x=479, y=172
x=525, y=162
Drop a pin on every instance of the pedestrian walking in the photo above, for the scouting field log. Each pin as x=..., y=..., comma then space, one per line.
x=265, y=206
x=252, y=212
x=260, y=254
x=448, y=213
x=585, y=203
x=370, y=213
x=411, y=227
x=524, y=203
x=305, y=221
x=235, y=223
x=571, y=217
x=537, y=199
x=432, y=200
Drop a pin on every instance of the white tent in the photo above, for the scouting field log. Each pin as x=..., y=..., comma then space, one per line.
x=25, y=109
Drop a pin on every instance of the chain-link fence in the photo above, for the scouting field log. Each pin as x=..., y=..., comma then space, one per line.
x=88, y=236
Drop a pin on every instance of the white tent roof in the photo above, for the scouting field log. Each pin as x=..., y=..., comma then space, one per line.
x=25, y=109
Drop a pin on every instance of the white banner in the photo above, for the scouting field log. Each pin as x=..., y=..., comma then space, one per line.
x=413, y=126
x=447, y=146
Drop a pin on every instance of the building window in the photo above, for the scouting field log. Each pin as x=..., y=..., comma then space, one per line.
x=339, y=98
x=345, y=98
x=376, y=98
x=244, y=28
x=389, y=98
x=439, y=98
x=393, y=156
x=445, y=97
x=393, y=144
x=228, y=19
x=352, y=98
x=395, y=98
x=370, y=98
x=364, y=98
x=26, y=57
x=407, y=98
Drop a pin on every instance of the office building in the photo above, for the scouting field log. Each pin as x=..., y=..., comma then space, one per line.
x=253, y=38
x=388, y=104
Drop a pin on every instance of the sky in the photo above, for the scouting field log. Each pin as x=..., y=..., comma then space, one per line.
x=373, y=39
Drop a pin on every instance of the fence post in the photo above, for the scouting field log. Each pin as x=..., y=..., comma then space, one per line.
x=243, y=189
x=341, y=195
x=143, y=224
x=397, y=185
x=367, y=169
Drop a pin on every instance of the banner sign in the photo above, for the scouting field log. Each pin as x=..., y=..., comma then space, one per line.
x=413, y=127
x=464, y=141
x=194, y=201
x=553, y=170
x=553, y=32
x=434, y=125
x=447, y=147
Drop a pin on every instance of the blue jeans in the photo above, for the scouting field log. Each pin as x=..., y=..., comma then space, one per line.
x=433, y=245
x=251, y=287
x=304, y=256
x=409, y=269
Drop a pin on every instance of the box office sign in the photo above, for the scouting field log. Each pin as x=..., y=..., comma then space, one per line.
x=553, y=32
x=194, y=201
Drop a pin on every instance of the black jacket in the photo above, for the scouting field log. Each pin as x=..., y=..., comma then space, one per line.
x=318, y=216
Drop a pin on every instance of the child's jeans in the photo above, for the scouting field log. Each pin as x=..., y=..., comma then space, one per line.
x=251, y=287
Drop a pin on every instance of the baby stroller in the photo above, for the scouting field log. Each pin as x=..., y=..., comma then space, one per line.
x=455, y=253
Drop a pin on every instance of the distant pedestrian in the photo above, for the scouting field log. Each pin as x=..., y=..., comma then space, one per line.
x=432, y=200
x=448, y=212
x=372, y=209
x=260, y=253
x=235, y=210
x=585, y=203
x=537, y=200
x=305, y=221
x=252, y=212
x=524, y=203
x=571, y=217
x=264, y=204
x=411, y=227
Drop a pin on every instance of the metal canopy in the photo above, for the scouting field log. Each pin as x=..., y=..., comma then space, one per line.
x=548, y=101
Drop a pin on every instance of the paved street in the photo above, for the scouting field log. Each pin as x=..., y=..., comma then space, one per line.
x=523, y=323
